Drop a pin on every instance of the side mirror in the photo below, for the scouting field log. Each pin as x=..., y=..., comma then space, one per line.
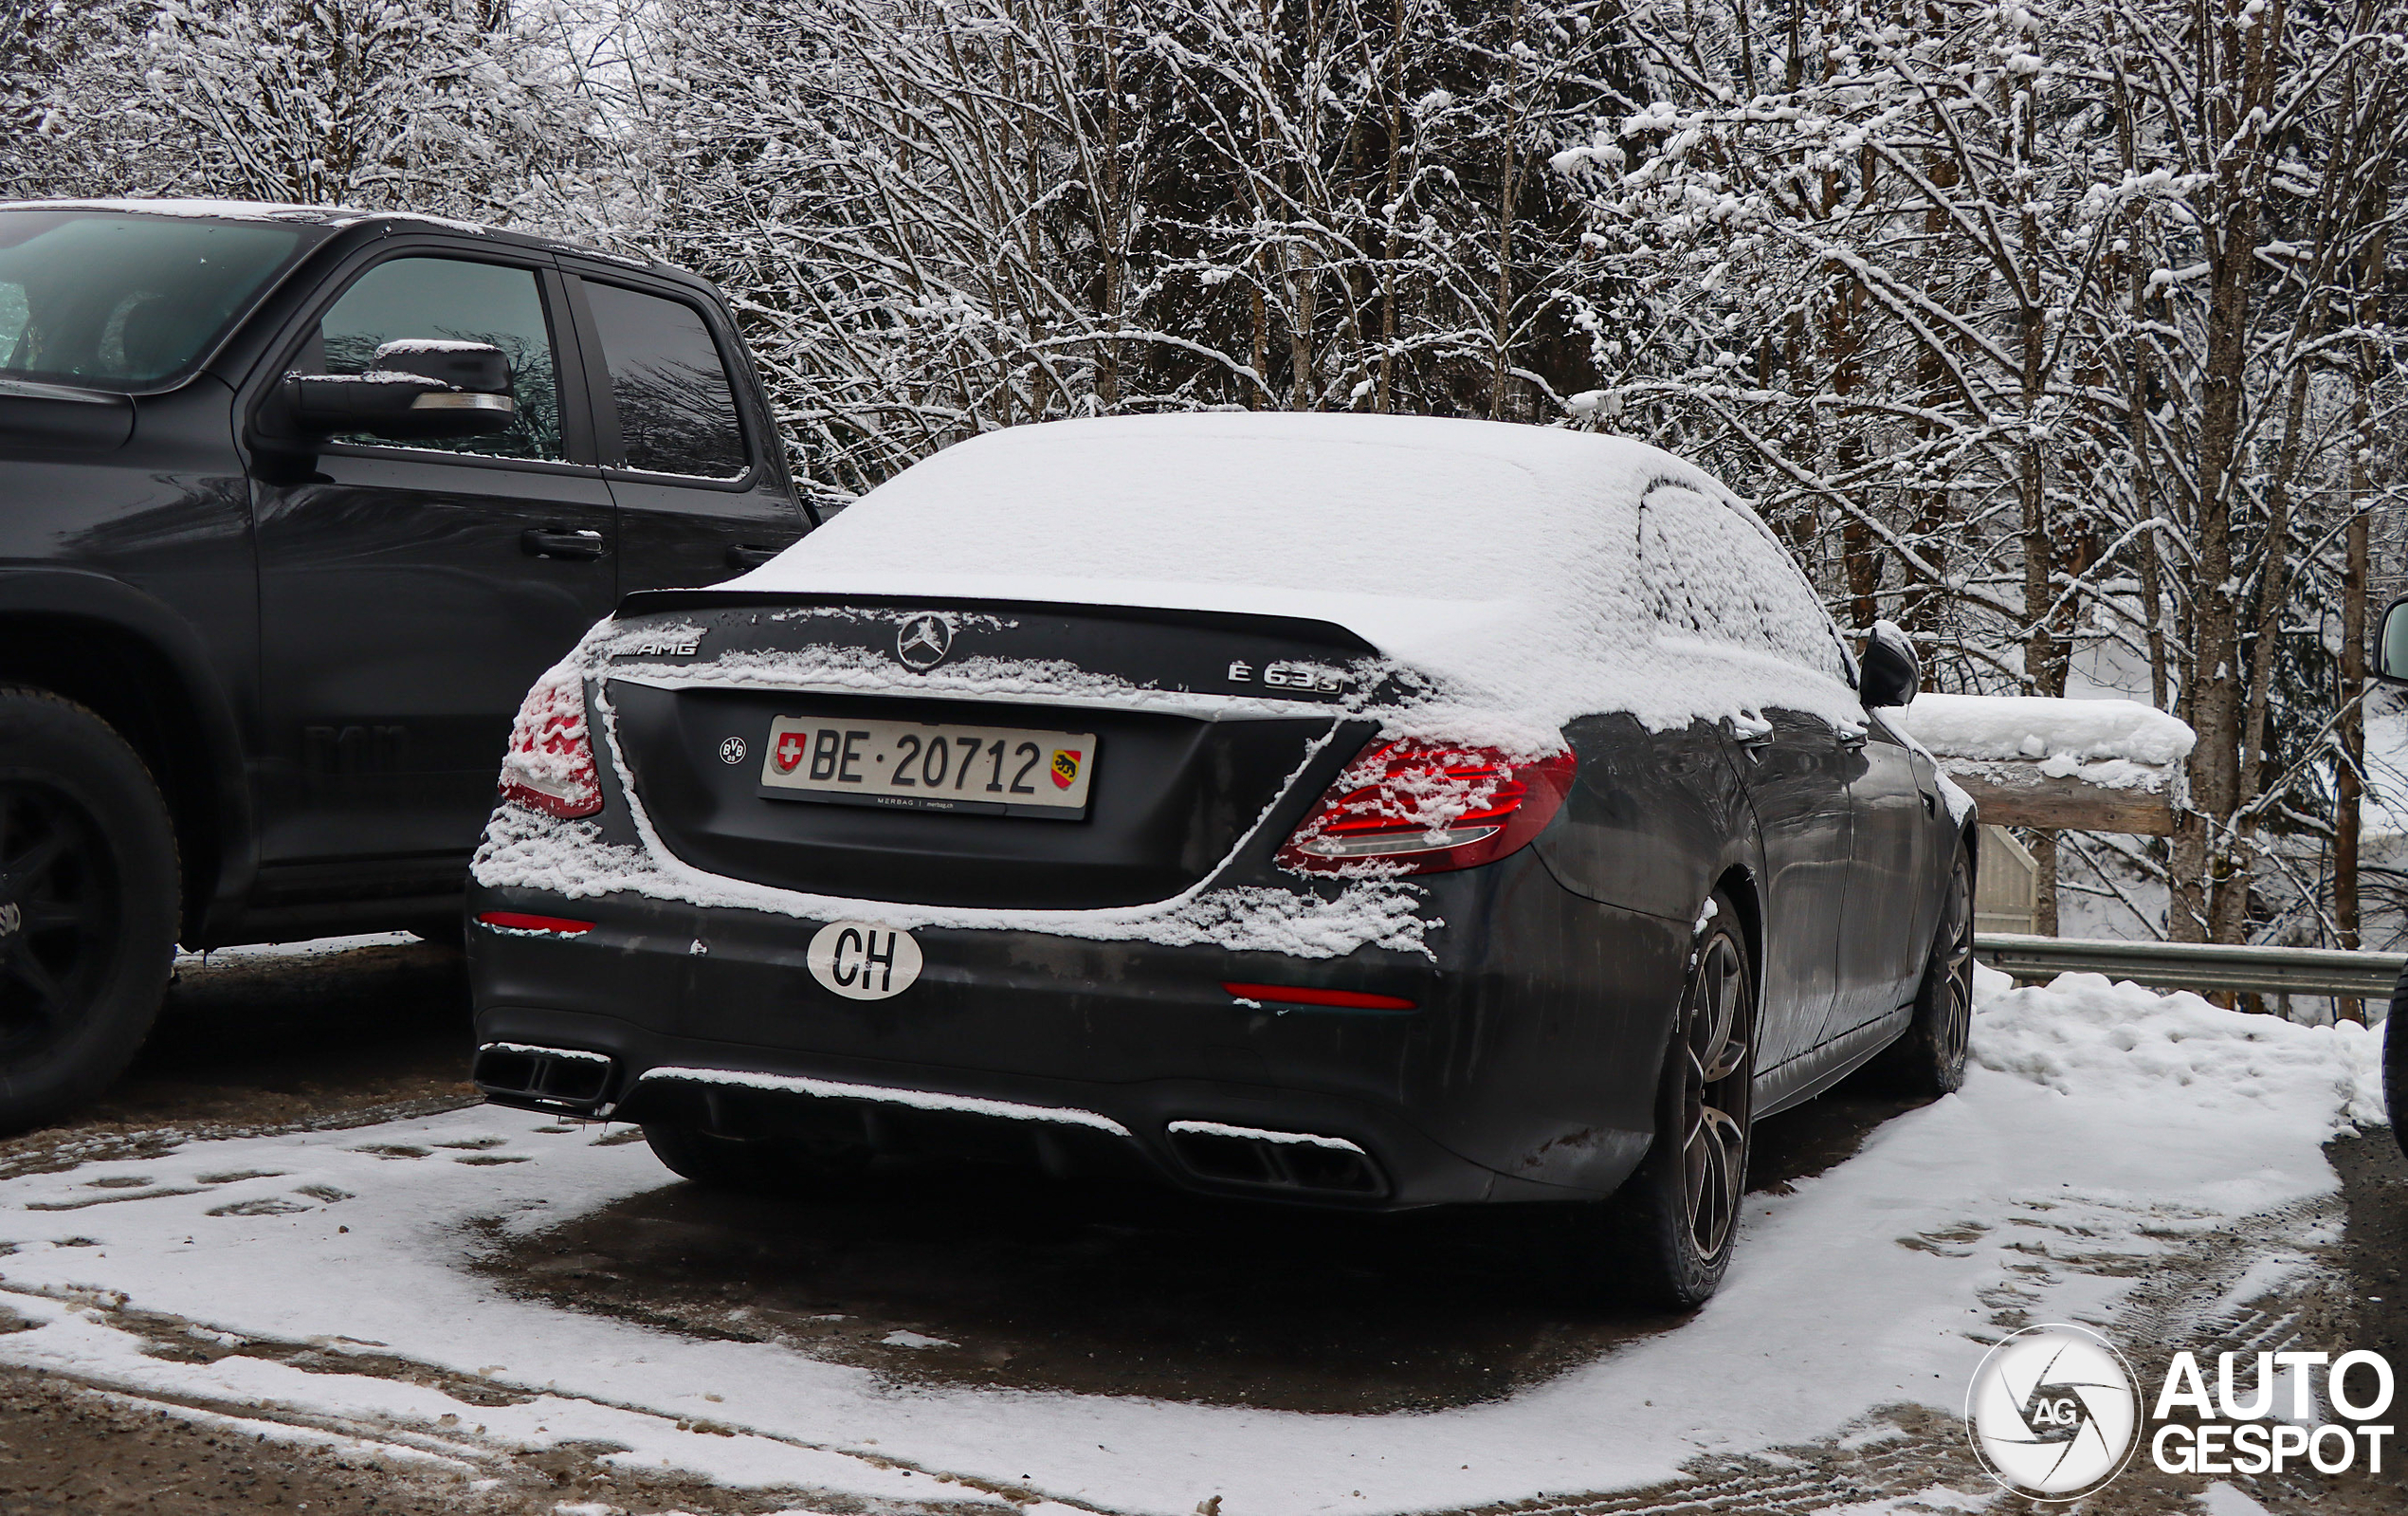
x=1887, y=674
x=2391, y=648
x=416, y=390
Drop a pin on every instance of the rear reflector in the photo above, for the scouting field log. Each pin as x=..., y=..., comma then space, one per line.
x=520, y=922
x=1299, y=994
x=1424, y=808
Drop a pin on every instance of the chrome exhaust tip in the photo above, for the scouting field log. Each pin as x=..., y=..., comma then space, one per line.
x=565, y=1079
x=1276, y=1160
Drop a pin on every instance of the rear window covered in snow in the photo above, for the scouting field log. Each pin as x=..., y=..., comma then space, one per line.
x=1537, y=573
x=1710, y=573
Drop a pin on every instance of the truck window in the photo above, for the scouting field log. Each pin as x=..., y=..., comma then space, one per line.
x=463, y=302
x=677, y=407
x=125, y=301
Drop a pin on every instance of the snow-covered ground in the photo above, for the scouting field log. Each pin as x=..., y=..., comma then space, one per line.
x=2105, y=1126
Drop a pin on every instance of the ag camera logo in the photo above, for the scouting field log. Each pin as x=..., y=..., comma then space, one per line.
x=2052, y=1413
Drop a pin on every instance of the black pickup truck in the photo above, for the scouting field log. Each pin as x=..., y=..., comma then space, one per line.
x=294, y=505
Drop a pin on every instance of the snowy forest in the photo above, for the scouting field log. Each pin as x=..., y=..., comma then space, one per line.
x=2067, y=334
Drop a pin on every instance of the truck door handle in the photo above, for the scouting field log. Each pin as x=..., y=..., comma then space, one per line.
x=559, y=542
x=743, y=555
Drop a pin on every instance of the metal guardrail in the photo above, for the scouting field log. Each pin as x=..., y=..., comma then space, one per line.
x=2198, y=965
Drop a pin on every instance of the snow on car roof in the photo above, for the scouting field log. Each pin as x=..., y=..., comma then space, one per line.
x=1540, y=574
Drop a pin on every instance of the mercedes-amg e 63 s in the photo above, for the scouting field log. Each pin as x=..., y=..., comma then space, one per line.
x=1358, y=810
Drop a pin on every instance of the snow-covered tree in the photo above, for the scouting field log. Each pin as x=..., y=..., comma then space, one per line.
x=462, y=108
x=957, y=217
x=2033, y=323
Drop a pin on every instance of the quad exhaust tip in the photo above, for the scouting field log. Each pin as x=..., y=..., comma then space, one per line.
x=560, y=1078
x=1306, y=1161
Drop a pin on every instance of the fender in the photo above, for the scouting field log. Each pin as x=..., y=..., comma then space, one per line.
x=76, y=594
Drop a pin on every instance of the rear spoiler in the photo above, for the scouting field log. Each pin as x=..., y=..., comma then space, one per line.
x=1323, y=635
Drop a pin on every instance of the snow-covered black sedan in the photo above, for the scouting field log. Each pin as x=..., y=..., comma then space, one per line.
x=1358, y=810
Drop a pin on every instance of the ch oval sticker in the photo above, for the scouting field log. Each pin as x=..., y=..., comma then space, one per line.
x=863, y=960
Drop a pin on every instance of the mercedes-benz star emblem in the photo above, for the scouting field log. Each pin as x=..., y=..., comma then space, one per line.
x=923, y=640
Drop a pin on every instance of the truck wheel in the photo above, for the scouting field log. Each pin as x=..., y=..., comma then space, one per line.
x=89, y=894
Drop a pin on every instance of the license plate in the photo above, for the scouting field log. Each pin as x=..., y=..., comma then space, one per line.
x=999, y=771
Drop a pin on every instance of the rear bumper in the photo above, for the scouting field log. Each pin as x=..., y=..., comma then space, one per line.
x=1525, y=1070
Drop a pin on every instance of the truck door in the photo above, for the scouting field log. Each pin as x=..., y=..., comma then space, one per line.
x=701, y=489
x=410, y=593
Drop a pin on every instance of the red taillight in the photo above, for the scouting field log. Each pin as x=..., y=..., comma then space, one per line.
x=1424, y=808
x=550, y=765
x=522, y=921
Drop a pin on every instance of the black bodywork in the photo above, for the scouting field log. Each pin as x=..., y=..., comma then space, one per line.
x=316, y=647
x=1525, y=1068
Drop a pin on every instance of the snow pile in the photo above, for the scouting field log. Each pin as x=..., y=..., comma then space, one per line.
x=2033, y=726
x=1538, y=575
x=2119, y=743
x=2083, y=1034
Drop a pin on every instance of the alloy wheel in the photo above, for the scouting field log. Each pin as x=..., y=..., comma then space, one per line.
x=58, y=916
x=1717, y=1045
x=1953, y=1028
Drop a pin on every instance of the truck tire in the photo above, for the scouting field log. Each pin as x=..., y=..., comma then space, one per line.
x=89, y=898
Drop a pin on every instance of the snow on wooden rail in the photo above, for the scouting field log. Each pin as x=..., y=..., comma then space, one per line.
x=2078, y=765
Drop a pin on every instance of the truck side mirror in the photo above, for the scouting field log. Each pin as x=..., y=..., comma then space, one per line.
x=1889, y=673
x=415, y=390
x=2391, y=648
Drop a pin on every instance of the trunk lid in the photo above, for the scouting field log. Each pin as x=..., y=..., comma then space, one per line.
x=764, y=735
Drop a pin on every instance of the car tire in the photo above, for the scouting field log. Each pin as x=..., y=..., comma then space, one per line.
x=2395, y=1066
x=745, y=1166
x=1675, y=1219
x=90, y=892
x=1928, y=1060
